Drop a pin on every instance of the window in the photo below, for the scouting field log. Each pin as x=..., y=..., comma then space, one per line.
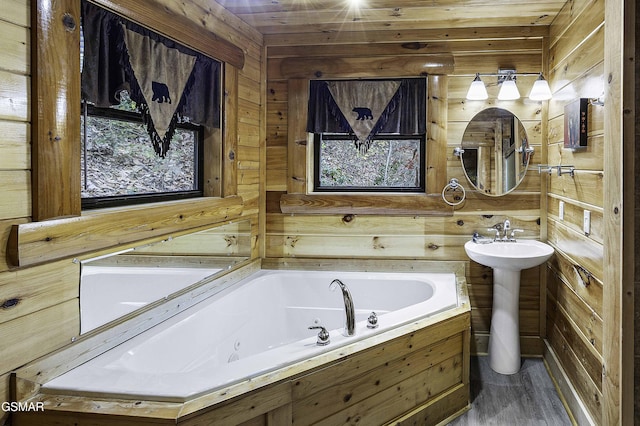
x=119, y=165
x=56, y=167
x=368, y=135
x=147, y=104
x=391, y=163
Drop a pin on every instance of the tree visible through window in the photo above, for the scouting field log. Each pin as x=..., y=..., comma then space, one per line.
x=118, y=161
x=147, y=103
x=389, y=164
x=369, y=135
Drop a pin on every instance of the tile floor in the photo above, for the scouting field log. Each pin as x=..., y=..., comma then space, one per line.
x=524, y=399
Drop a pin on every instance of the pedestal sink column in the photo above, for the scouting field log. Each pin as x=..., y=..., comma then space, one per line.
x=504, y=340
x=507, y=260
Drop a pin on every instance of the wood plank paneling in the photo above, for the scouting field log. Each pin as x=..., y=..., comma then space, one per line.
x=31, y=336
x=321, y=395
x=40, y=242
x=619, y=255
x=14, y=43
x=16, y=193
x=574, y=367
x=574, y=307
x=26, y=291
x=357, y=67
x=15, y=140
x=16, y=11
x=297, y=136
x=14, y=101
x=423, y=34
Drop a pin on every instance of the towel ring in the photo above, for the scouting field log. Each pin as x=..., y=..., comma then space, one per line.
x=453, y=186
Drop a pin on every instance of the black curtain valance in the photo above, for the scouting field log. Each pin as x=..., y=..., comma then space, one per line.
x=109, y=66
x=404, y=113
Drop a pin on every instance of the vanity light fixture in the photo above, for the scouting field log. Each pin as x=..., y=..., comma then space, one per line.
x=477, y=90
x=509, y=91
x=540, y=90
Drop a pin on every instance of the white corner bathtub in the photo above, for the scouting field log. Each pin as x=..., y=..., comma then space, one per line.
x=254, y=327
x=109, y=292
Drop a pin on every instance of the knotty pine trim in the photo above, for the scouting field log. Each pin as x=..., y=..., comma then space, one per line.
x=618, y=219
x=55, y=104
x=402, y=36
x=230, y=132
x=350, y=67
x=423, y=205
x=38, y=242
x=297, y=178
x=436, y=147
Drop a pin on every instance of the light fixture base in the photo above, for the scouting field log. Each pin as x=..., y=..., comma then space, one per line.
x=504, y=73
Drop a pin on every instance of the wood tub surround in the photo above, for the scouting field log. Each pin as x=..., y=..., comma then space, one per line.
x=414, y=374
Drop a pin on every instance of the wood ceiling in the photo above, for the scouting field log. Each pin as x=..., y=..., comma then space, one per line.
x=278, y=17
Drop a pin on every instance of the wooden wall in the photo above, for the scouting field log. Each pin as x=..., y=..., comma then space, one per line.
x=574, y=326
x=39, y=305
x=418, y=236
x=636, y=339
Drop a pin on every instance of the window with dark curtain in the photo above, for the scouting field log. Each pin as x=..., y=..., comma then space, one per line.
x=147, y=102
x=107, y=70
x=369, y=135
x=405, y=113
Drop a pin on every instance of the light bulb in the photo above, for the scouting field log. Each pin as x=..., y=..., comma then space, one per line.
x=477, y=90
x=509, y=90
x=540, y=90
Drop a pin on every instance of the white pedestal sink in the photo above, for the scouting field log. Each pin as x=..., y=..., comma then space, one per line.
x=507, y=260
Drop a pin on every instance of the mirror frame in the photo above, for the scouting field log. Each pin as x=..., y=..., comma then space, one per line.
x=521, y=163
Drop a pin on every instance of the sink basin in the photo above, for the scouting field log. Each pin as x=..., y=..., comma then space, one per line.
x=507, y=260
x=513, y=256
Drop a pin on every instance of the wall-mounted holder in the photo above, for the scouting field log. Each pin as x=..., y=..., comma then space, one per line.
x=454, y=187
x=457, y=151
x=528, y=150
x=597, y=101
x=560, y=169
x=584, y=274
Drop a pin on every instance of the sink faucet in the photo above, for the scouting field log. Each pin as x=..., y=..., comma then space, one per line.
x=502, y=231
x=350, y=324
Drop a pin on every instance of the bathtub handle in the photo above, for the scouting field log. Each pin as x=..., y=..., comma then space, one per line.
x=372, y=321
x=323, y=335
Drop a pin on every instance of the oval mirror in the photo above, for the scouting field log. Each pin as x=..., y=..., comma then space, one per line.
x=495, y=151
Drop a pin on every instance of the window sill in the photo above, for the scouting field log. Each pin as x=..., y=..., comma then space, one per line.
x=38, y=242
x=394, y=204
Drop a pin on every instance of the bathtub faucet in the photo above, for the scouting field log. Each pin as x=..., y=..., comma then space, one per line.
x=350, y=324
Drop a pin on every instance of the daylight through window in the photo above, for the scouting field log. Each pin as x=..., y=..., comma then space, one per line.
x=390, y=163
x=147, y=104
x=369, y=135
x=119, y=164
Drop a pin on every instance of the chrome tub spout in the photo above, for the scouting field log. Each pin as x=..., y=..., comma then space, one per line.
x=350, y=324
